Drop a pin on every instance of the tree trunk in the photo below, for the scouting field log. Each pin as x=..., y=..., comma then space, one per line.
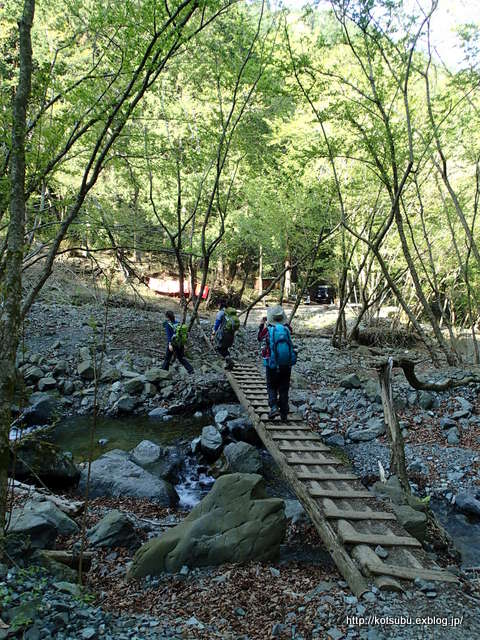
x=10, y=319
x=397, y=447
x=260, y=272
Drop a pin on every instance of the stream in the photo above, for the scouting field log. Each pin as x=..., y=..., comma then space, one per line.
x=72, y=434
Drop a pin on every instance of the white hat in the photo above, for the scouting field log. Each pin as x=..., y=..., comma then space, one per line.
x=276, y=315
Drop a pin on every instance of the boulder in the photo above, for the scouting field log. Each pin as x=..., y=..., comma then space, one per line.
x=233, y=410
x=43, y=408
x=126, y=404
x=113, y=530
x=465, y=405
x=372, y=391
x=158, y=412
x=468, y=503
x=335, y=440
x=42, y=522
x=242, y=429
x=211, y=442
x=243, y=458
x=134, y=385
x=453, y=436
x=235, y=522
x=295, y=512
x=110, y=374
x=164, y=462
x=114, y=474
x=33, y=374
x=425, y=399
x=157, y=375
x=86, y=370
x=44, y=384
x=36, y=457
x=239, y=457
x=391, y=489
x=447, y=423
x=369, y=431
x=351, y=382
x=145, y=453
x=413, y=521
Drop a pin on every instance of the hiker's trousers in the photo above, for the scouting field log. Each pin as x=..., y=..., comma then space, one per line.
x=278, y=385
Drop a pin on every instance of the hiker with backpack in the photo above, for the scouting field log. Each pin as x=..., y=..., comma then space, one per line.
x=279, y=356
x=176, y=340
x=223, y=332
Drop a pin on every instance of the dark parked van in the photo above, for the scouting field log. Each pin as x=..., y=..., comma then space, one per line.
x=323, y=293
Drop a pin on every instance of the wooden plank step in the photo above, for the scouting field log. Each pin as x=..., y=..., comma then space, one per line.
x=291, y=418
x=331, y=510
x=340, y=493
x=350, y=536
x=323, y=477
x=284, y=426
x=294, y=460
x=351, y=514
x=410, y=573
x=310, y=438
x=299, y=447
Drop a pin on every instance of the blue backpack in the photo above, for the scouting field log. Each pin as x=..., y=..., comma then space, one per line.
x=282, y=353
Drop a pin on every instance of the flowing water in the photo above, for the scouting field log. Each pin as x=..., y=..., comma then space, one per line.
x=73, y=434
x=464, y=531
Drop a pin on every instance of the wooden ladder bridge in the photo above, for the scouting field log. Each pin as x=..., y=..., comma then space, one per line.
x=349, y=519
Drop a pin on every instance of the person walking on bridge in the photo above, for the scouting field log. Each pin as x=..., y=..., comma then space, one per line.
x=176, y=340
x=279, y=356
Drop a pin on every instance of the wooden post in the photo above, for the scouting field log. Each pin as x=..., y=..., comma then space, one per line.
x=397, y=446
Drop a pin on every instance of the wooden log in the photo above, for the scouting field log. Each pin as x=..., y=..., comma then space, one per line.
x=397, y=447
x=69, y=559
x=346, y=565
x=70, y=507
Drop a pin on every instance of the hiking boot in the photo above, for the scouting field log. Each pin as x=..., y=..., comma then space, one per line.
x=229, y=364
x=284, y=417
x=274, y=412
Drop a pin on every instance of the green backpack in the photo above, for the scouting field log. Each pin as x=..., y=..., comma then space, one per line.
x=232, y=321
x=180, y=336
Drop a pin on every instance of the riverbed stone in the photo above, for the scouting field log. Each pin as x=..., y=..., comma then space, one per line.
x=33, y=374
x=43, y=408
x=373, y=428
x=114, y=530
x=126, y=404
x=211, y=442
x=145, y=453
x=447, y=423
x=425, y=399
x=134, y=385
x=468, y=503
x=157, y=375
x=453, y=436
x=413, y=521
x=235, y=522
x=42, y=521
x=36, y=457
x=239, y=457
x=46, y=384
x=114, y=474
x=351, y=381
x=164, y=462
x=242, y=429
x=86, y=370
